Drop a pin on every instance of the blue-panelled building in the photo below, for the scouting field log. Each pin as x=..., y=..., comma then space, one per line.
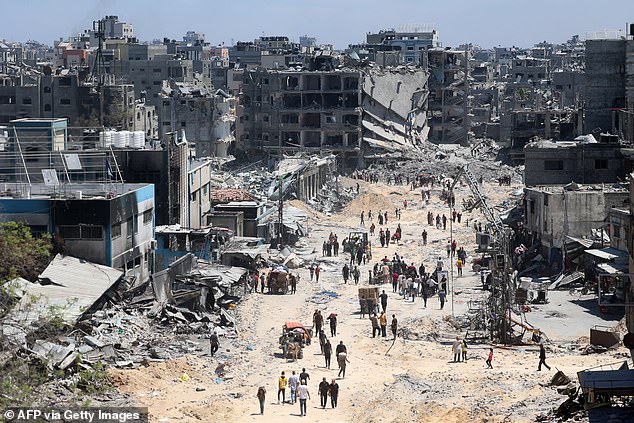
x=105, y=223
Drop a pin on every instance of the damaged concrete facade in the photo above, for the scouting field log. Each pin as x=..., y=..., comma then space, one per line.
x=562, y=162
x=449, y=106
x=343, y=111
x=554, y=212
x=206, y=115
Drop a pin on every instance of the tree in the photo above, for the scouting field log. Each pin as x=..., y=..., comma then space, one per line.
x=21, y=254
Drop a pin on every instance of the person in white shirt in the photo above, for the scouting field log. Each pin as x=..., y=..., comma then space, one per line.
x=293, y=383
x=304, y=396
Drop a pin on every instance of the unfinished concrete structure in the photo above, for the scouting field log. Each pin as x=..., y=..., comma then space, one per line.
x=345, y=111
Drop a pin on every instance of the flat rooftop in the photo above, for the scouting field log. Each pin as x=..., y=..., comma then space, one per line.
x=74, y=191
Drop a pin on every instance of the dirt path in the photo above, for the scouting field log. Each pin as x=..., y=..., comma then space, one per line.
x=416, y=381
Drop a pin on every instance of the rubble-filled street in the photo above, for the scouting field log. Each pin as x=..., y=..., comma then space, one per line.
x=415, y=381
x=278, y=211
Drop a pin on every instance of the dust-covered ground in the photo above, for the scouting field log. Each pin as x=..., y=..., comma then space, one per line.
x=415, y=382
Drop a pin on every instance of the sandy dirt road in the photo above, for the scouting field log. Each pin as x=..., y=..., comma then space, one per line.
x=416, y=381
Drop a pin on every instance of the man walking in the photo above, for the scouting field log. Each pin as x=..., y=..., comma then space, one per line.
x=346, y=273
x=327, y=352
x=459, y=266
x=383, y=322
x=383, y=298
x=356, y=274
x=304, y=396
x=293, y=383
x=457, y=350
x=423, y=292
x=542, y=358
x=394, y=325
x=318, y=321
x=375, y=325
x=334, y=393
x=215, y=344
x=317, y=272
x=261, y=397
x=282, y=388
x=304, y=376
x=333, y=324
x=324, y=387
x=441, y=297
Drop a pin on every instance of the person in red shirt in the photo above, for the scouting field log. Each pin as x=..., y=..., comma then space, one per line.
x=490, y=358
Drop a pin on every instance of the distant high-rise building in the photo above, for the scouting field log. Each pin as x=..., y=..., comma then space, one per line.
x=410, y=39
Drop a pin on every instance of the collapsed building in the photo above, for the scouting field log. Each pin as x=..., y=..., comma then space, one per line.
x=350, y=112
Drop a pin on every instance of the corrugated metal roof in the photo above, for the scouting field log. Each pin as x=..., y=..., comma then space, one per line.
x=75, y=285
x=607, y=253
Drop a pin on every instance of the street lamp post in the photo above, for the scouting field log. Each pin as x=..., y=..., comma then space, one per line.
x=450, y=201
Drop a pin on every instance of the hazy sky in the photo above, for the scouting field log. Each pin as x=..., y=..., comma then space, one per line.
x=339, y=22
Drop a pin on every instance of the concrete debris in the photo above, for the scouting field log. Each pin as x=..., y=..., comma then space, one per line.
x=322, y=297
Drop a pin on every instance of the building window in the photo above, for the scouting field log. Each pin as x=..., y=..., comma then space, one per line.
x=147, y=216
x=47, y=89
x=129, y=227
x=532, y=207
x=91, y=232
x=26, y=100
x=183, y=124
x=116, y=230
x=601, y=164
x=545, y=200
x=69, y=232
x=65, y=101
x=616, y=230
x=81, y=232
x=194, y=197
x=553, y=165
x=205, y=190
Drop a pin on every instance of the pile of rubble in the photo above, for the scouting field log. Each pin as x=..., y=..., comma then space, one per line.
x=331, y=198
x=426, y=329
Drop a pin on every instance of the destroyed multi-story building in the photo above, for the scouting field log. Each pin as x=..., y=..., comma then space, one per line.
x=206, y=115
x=609, y=93
x=449, y=101
x=346, y=111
